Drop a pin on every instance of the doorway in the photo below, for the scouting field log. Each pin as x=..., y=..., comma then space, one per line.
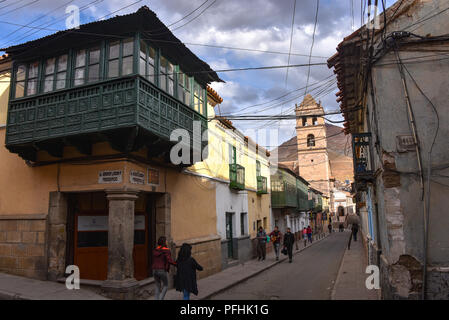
x=230, y=234
x=88, y=236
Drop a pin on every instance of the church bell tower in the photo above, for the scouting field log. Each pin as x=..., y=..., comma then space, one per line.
x=313, y=159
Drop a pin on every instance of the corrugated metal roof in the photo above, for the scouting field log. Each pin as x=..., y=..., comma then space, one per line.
x=143, y=20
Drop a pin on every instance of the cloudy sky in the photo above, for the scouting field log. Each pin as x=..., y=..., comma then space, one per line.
x=253, y=24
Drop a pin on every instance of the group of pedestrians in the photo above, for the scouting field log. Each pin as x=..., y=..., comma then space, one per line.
x=186, y=265
x=276, y=237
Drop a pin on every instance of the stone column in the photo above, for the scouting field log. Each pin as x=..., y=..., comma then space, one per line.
x=57, y=236
x=163, y=228
x=120, y=283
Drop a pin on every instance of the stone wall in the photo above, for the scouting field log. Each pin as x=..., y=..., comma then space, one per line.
x=22, y=245
x=207, y=252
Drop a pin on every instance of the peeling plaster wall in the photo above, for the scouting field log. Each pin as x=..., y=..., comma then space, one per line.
x=398, y=185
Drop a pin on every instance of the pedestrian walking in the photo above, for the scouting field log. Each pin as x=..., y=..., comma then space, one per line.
x=355, y=229
x=289, y=240
x=161, y=266
x=261, y=244
x=329, y=226
x=185, y=280
x=309, y=234
x=275, y=236
x=304, y=236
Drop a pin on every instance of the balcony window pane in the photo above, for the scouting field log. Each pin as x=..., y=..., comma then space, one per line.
x=94, y=73
x=150, y=76
x=60, y=83
x=171, y=81
x=114, y=49
x=170, y=86
x=50, y=66
x=128, y=47
x=113, y=69
x=163, y=82
x=31, y=87
x=79, y=76
x=163, y=65
x=62, y=63
x=48, y=83
x=20, y=89
x=187, y=98
x=33, y=69
x=142, y=64
x=127, y=65
x=151, y=55
x=80, y=58
x=94, y=56
x=143, y=50
x=20, y=73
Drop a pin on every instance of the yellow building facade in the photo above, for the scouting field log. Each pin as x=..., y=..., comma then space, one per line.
x=241, y=206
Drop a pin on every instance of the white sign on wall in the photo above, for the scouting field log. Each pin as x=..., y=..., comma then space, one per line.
x=110, y=176
x=92, y=223
x=139, y=222
x=137, y=177
x=100, y=223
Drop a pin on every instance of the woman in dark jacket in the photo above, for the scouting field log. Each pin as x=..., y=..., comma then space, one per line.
x=185, y=280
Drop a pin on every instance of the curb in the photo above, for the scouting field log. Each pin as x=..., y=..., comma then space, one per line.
x=337, y=280
x=6, y=295
x=260, y=271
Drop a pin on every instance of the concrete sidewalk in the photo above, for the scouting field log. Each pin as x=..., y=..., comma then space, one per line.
x=350, y=283
x=216, y=283
x=21, y=288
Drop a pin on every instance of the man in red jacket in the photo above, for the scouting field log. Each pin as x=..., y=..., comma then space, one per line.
x=161, y=265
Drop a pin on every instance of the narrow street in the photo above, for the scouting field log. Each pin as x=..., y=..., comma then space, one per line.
x=311, y=275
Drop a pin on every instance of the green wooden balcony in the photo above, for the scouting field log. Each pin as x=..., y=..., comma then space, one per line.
x=284, y=197
x=262, y=185
x=129, y=112
x=236, y=177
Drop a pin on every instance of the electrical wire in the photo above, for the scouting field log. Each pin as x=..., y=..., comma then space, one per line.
x=282, y=96
x=12, y=10
x=313, y=42
x=40, y=17
x=291, y=41
x=45, y=24
x=181, y=26
x=10, y=4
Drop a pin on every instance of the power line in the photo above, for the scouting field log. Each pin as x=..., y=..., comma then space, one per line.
x=45, y=24
x=313, y=42
x=12, y=10
x=201, y=71
x=71, y=31
x=291, y=41
x=40, y=17
x=280, y=97
x=188, y=15
x=165, y=41
x=194, y=18
x=16, y=2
